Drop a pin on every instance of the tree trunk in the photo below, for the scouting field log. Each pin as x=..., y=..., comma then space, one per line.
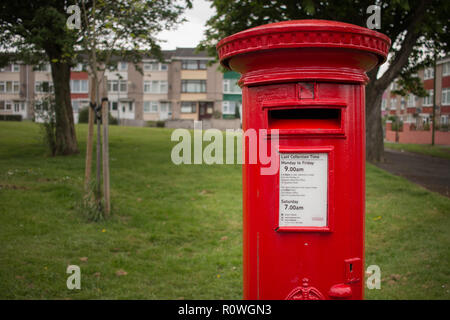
x=374, y=128
x=66, y=139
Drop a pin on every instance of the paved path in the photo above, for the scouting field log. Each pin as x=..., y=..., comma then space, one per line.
x=430, y=172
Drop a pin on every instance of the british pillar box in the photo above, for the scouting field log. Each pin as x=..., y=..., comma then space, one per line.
x=303, y=227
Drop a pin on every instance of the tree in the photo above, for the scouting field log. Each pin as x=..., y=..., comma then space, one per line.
x=416, y=27
x=111, y=31
x=35, y=31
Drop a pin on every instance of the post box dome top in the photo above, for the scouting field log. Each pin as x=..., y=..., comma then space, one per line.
x=304, y=34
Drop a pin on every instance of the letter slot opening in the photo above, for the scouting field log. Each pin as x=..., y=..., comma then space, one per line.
x=305, y=118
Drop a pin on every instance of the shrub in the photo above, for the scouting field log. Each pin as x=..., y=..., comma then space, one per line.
x=217, y=114
x=157, y=124
x=45, y=110
x=10, y=117
x=397, y=126
x=83, y=117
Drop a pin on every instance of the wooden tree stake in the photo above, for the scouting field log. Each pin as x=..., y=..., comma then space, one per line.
x=105, y=150
x=89, y=142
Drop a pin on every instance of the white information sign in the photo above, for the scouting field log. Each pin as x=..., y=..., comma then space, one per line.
x=303, y=189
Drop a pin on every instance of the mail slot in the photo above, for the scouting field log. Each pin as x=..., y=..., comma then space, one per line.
x=305, y=118
x=303, y=227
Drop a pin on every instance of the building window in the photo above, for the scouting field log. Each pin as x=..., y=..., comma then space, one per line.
x=43, y=86
x=188, y=107
x=19, y=106
x=79, y=86
x=123, y=86
x=428, y=101
x=79, y=104
x=411, y=100
x=229, y=107
x=155, y=86
x=444, y=120
x=383, y=104
x=164, y=106
x=393, y=103
x=115, y=85
x=394, y=86
x=155, y=66
x=193, y=65
x=150, y=106
x=9, y=86
x=193, y=86
x=147, y=86
x=112, y=105
x=446, y=96
x=123, y=66
x=446, y=69
x=402, y=103
x=428, y=73
x=11, y=68
x=8, y=105
x=79, y=67
x=43, y=67
x=163, y=86
x=230, y=86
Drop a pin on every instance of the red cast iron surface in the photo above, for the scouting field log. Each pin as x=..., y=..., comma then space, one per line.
x=316, y=65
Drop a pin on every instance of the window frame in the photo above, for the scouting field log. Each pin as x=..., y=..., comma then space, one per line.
x=151, y=106
x=446, y=69
x=186, y=82
x=428, y=73
x=193, y=107
x=425, y=101
x=445, y=96
x=199, y=64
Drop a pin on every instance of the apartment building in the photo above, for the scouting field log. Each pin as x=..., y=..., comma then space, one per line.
x=412, y=109
x=14, y=89
x=195, y=86
x=187, y=85
x=155, y=104
x=79, y=89
x=232, y=95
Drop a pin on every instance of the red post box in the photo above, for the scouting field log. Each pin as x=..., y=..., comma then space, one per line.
x=303, y=227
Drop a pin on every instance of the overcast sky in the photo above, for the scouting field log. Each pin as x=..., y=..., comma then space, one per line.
x=189, y=33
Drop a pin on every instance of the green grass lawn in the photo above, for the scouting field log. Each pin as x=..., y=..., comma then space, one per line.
x=176, y=230
x=426, y=149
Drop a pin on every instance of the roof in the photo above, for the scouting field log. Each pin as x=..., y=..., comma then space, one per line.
x=189, y=53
